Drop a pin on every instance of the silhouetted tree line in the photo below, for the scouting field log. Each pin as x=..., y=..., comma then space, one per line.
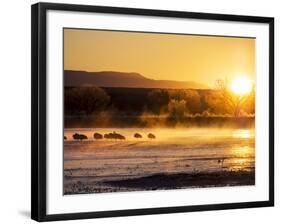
x=175, y=103
x=85, y=100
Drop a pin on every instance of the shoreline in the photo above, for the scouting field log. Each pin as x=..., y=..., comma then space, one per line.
x=164, y=182
x=157, y=121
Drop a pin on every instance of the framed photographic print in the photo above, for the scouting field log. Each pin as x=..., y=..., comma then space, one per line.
x=140, y=111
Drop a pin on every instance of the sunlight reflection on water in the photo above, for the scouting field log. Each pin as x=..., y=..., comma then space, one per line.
x=243, y=133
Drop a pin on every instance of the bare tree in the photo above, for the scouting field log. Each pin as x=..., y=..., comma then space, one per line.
x=234, y=102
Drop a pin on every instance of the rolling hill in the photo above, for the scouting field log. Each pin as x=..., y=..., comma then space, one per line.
x=123, y=79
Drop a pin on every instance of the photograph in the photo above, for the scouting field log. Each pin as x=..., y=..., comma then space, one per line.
x=150, y=111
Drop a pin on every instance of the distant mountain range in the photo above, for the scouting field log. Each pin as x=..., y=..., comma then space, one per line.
x=123, y=79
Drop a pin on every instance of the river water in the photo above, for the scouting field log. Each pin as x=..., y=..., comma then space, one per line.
x=178, y=150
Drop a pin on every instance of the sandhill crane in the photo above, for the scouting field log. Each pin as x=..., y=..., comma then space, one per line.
x=98, y=136
x=137, y=135
x=151, y=136
x=80, y=137
x=114, y=135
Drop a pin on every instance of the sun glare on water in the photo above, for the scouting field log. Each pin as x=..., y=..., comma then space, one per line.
x=241, y=85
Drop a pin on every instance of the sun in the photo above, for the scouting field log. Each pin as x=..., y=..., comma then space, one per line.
x=241, y=85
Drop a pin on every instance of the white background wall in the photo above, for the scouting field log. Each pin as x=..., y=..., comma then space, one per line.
x=15, y=109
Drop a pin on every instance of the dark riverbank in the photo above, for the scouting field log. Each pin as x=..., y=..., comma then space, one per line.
x=172, y=181
x=165, y=182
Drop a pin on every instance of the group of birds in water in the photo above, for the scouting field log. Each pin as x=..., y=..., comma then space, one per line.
x=111, y=135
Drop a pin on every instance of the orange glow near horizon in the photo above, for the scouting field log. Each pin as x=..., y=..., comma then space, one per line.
x=201, y=59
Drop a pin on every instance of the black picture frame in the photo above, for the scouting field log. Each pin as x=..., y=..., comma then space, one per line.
x=38, y=108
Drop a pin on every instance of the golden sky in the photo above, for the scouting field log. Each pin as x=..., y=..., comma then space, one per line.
x=201, y=59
